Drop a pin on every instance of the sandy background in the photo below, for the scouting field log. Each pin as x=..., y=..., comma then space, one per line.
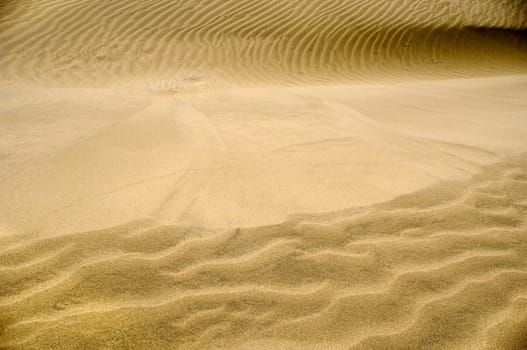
x=284, y=174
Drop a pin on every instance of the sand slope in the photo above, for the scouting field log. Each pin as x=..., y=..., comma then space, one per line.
x=250, y=157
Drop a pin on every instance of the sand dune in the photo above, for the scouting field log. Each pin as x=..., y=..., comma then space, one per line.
x=283, y=174
x=171, y=46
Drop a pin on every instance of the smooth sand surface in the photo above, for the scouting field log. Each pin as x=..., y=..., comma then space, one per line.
x=263, y=174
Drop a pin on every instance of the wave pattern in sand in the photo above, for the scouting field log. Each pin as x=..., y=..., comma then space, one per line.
x=443, y=268
x=167, y=45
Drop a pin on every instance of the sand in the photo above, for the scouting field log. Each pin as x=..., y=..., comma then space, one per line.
x=263, y=174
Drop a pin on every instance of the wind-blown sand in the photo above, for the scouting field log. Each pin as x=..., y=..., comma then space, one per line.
x=263, y=174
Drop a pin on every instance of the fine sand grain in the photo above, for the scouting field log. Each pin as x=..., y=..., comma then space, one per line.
x=249, y=174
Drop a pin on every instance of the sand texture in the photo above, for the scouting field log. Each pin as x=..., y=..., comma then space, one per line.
x=249, y=174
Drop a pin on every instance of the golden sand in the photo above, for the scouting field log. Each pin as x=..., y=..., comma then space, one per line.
x=283, y=174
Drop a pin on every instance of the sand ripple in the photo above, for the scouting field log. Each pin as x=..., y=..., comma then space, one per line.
x=442, y=268
x=167, y=45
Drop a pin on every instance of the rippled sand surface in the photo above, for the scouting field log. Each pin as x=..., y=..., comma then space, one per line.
x=283, y=174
